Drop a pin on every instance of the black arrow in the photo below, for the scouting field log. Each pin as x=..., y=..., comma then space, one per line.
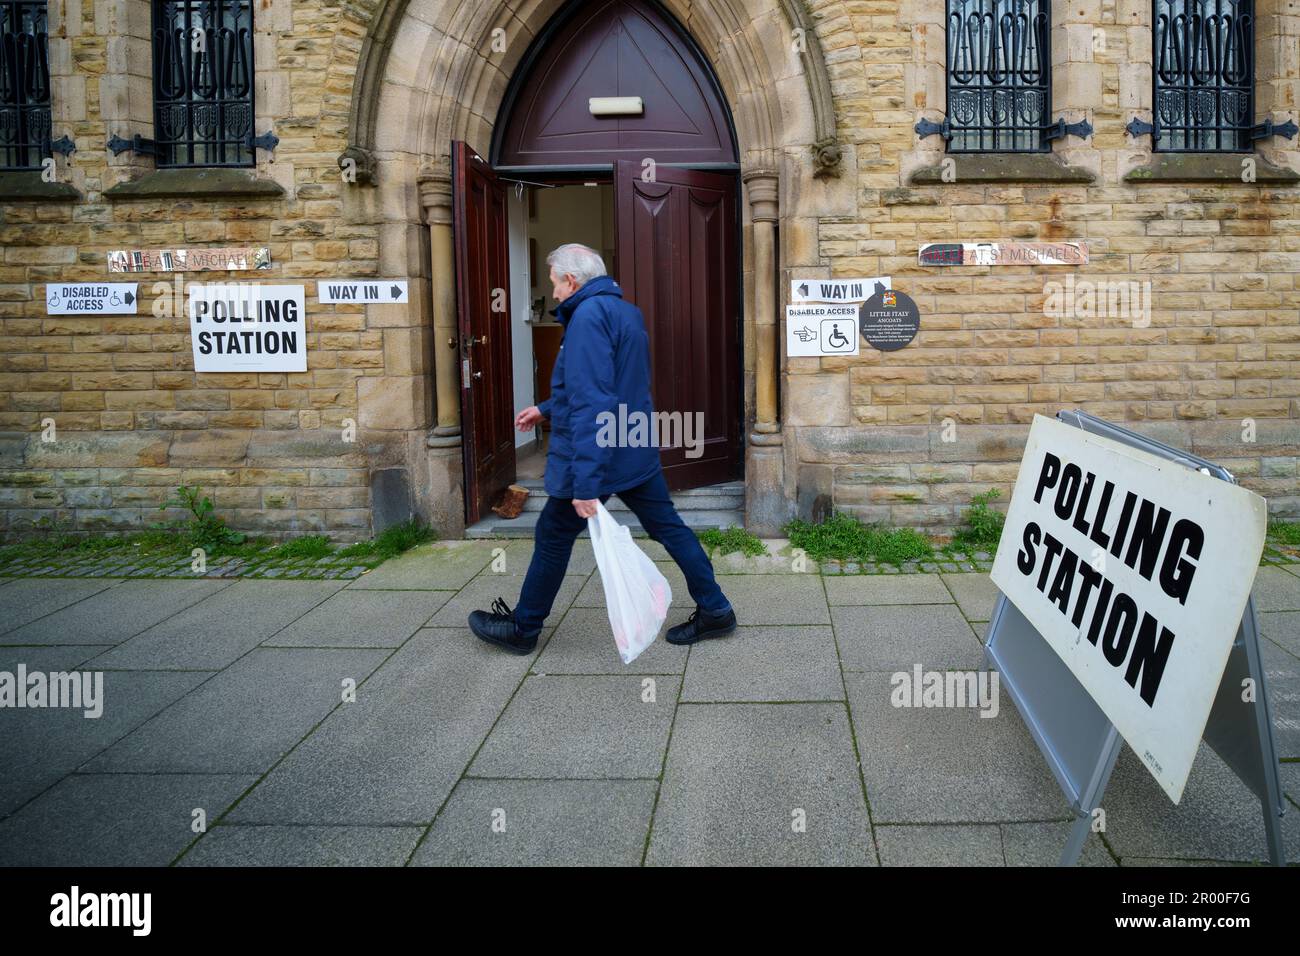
x=129, y=298
x=803, y=289
x=397, y=292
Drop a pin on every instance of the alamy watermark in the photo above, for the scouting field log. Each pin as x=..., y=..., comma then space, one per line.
x=75, y=689
x=637, y=429
x=1102, y=298
x=922, y=688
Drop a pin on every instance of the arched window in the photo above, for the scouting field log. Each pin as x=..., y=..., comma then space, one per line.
x=203, y=82
x=24, y=84
x=999, y=75
x=1203, y=60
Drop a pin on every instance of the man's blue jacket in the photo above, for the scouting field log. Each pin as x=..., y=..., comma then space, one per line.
x=604, y=362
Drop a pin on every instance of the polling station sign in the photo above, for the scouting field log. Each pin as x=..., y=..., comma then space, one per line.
x=92, y=298
x=820, y=329
x=366, y=291
x=1135, y=570
x=247, y=327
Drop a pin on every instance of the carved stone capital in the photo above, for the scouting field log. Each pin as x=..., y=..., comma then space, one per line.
x=761, y=188
x=435, y=194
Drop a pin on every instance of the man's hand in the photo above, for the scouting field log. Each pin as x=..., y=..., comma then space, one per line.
x=529, y=417
x=586, y=508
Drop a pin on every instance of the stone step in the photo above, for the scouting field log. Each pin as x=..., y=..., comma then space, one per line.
x=728, y=496
x=495, y=526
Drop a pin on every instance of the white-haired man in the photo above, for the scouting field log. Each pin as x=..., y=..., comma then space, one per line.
x=604, y=361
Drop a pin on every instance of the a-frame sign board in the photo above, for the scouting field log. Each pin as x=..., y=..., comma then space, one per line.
x=1081, y=744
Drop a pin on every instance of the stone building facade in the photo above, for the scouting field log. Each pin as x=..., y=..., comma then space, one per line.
x=100, y=417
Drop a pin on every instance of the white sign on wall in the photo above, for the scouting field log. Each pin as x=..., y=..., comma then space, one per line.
x=362, y=290
x=838, y=290
x=246, y=327
x=92, y=298
x=1135, y=570
x=821, y=329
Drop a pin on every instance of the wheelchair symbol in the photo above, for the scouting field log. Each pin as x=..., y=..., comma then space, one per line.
x=836, y=339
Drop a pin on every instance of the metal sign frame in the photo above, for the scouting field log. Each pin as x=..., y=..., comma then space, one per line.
x=1080, y=743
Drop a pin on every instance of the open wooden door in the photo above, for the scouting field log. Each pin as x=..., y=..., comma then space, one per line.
x=678, y=260
x=479, y=237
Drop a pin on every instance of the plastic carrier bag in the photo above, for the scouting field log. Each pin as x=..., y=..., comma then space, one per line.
x=636, y=592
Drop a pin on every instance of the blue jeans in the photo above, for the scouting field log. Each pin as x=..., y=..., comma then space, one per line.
x=559, y=525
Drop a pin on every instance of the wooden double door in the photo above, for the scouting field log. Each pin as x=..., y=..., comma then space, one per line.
x=677, y=257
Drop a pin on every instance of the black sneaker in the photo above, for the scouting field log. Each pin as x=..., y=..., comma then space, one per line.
x=700, y=625
x=498, y=627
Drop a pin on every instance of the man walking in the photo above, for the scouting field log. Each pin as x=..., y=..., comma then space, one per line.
x=604, y=361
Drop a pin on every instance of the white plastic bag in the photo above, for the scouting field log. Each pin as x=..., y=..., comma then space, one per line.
x=636, y=593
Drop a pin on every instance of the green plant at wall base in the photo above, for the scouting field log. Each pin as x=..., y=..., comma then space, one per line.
x=308, y=546
x=982, y=526
x=730, y=540
x=205, y=529
x=1285, y=532
x=392, y=541
x=843, y=537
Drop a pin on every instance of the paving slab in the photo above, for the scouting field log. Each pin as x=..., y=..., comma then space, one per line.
x=115, y=819
x=765, y=664
x=1282, y=677
x=948, y=764
x=214, y=633
x=47, y=658
x=583, y=643
x=581, y=727
x=40, y=747
x=1218, y=818
x=31, y=599
x=941, y=845
x=439, y=566
x=851, y=589
x=394, y=755
x=519, y=554
x=244, y=718
x=975, y=593
x=766, y=599
x=778, y=560
x=541, y=823
x=368, y=618
x=479, y=594
x=231, y=845
x=115, y=614
x=1041, y=844
x=895, y=637
x=1276, y=590
x=1283, y=628
x=761, y=784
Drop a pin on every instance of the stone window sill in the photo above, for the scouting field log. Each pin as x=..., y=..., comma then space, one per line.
x=1208, y=168
x=214, y=183
x=28, y=186
x=1001, y=168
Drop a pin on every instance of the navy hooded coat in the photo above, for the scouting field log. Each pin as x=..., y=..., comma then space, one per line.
x=604, y=362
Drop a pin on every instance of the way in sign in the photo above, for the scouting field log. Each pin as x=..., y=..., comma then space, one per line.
x=363, y=291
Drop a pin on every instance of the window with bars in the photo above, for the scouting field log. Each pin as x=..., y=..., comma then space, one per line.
x=24, y=84
x=203, y=82
x=999, y=75
x=1204, y=66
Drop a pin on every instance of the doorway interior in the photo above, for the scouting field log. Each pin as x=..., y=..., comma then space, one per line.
x=543, y=216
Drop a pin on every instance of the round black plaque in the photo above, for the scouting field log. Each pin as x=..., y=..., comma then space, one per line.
x=889, y=320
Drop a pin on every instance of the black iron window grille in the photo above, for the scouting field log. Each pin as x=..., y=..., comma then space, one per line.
x=24, y=84
x=1204, y=75
x=203, y=83
x=999, y=76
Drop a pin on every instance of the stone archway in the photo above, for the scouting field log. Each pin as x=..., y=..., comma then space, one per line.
x=433, y=71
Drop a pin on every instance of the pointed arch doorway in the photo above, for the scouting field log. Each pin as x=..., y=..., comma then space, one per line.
x=652, y=184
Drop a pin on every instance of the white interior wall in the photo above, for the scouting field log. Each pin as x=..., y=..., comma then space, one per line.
x=521, y=332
